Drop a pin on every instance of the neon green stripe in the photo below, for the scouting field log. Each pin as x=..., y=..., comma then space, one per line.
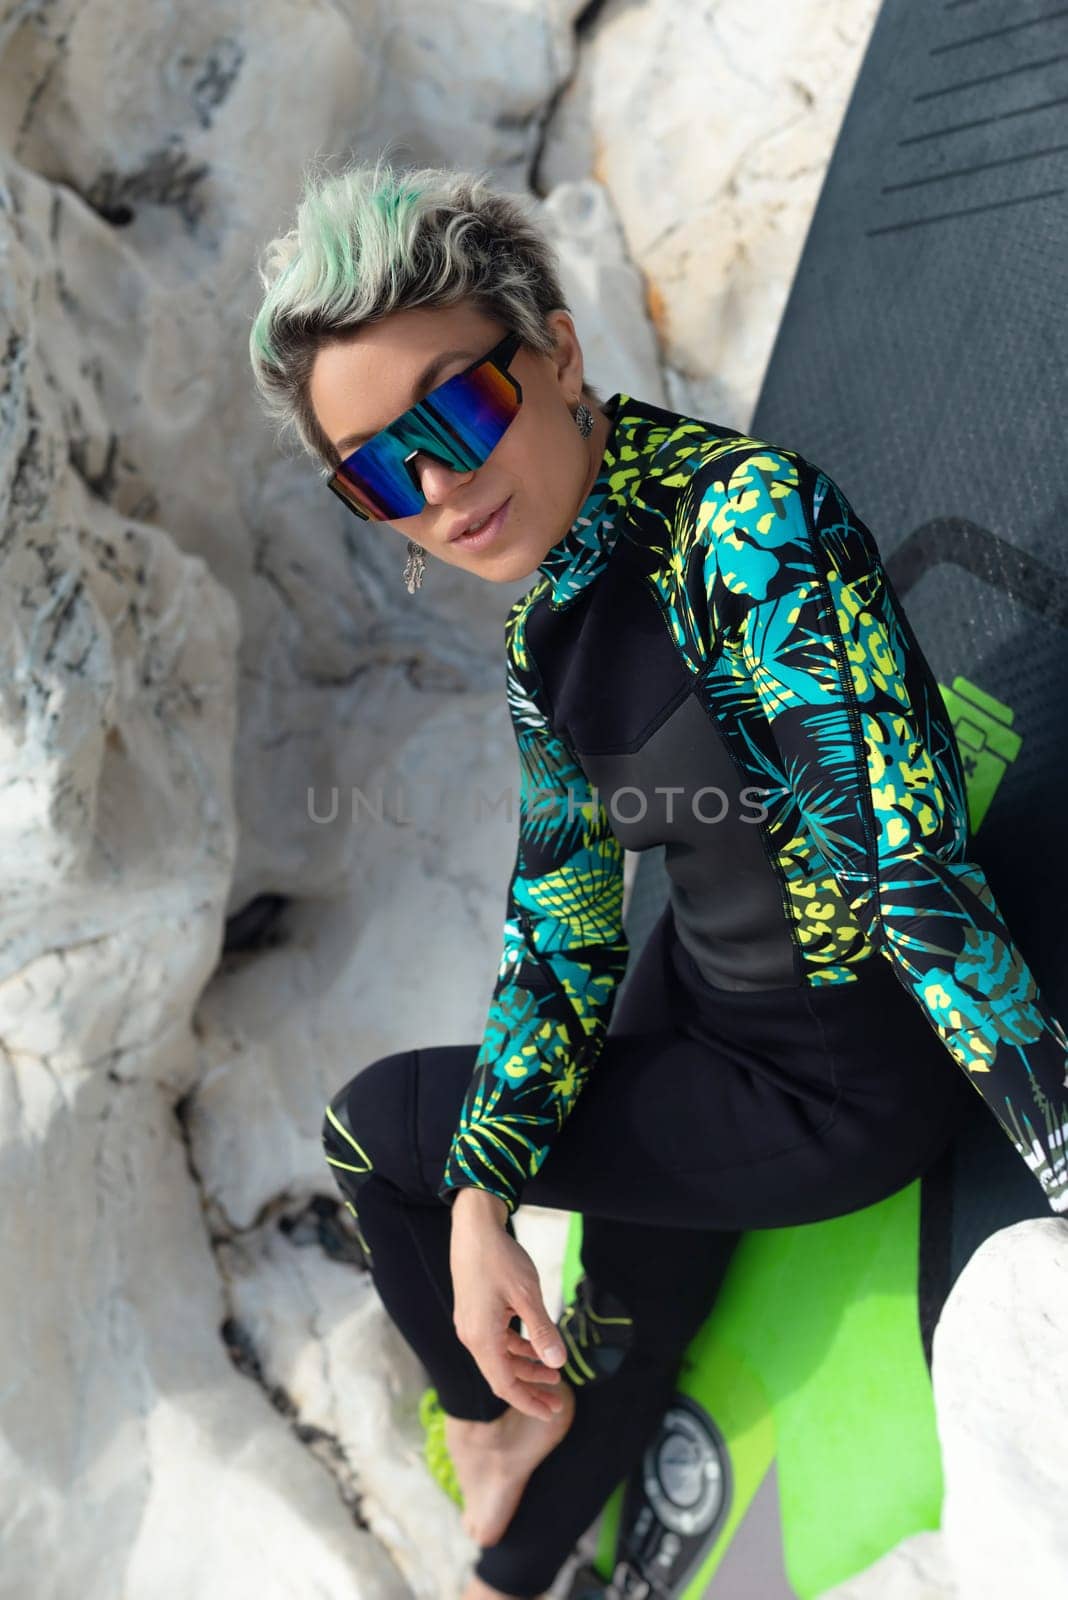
x=359, y=1230
x=334, y=1162
x=345, y=1134
x=575, y=1351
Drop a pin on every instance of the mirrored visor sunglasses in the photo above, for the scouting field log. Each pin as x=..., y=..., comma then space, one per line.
x=460, y=423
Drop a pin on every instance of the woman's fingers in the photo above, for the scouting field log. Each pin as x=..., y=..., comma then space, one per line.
x=515, y=1344
x=534, y=1399
x=544, y=1334
x=531, y=1369
x=512, y=1375
x=516, y=1380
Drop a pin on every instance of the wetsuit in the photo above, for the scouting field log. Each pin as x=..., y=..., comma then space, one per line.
x=711, y=658
x=718, y=615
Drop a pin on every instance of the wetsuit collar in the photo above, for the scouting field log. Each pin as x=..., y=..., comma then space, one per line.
x=578, y=556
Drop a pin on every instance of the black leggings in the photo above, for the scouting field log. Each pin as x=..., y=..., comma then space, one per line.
x=708, y=1112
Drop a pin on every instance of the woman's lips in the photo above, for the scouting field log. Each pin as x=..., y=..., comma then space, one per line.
x=487, y=533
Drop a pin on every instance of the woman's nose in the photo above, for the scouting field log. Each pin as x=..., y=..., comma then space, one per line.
x=437, y=481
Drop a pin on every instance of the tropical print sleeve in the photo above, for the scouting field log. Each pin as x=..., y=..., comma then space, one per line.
x=845, y=718
x=564, y=953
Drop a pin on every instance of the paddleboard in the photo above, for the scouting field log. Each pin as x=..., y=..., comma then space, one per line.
x=921, y=361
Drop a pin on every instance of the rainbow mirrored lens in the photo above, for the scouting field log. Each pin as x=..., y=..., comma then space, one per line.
x=460, y=423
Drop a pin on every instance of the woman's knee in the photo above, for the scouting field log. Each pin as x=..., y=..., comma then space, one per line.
x=364, y=1127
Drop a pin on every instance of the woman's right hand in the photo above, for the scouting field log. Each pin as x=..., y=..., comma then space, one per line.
x=494, y=1279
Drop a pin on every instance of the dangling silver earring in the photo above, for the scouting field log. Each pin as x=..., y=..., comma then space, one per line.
x=415, y=566
x=583, y=419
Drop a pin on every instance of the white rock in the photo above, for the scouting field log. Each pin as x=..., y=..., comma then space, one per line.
x=712, y=135
x=326, y=1339
x=193, y=635
x=134, y=1460
x=1001, y=1391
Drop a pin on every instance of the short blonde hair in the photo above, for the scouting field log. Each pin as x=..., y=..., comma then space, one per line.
x=375, y=239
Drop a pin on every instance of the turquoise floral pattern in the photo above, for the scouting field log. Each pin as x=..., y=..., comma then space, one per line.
x=827, y=690
x=775, y=595
x=563, y=956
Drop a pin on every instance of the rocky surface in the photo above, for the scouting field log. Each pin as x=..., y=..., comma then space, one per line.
x=202, y=1395
x=1001, y=1390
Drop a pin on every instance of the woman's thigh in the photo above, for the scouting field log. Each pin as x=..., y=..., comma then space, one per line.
x=712, y=1111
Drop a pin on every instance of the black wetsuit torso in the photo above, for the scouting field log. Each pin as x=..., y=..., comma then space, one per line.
x=629, y=711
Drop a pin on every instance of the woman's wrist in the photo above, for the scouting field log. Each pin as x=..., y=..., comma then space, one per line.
x=480, y=1203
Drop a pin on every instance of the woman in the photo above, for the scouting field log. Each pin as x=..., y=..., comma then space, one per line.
x=710, y=656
